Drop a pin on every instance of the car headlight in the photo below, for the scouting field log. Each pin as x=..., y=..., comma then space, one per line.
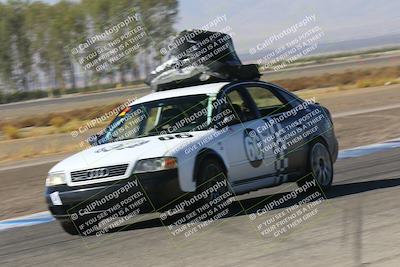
x=55, y=178
x=156, y=164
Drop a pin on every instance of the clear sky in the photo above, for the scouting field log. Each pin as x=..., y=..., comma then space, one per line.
x=253, y=21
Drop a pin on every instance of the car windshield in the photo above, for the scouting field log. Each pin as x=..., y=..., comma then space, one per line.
x=165, y=116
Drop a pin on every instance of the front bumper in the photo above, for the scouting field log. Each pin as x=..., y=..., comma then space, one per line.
x=159, y=188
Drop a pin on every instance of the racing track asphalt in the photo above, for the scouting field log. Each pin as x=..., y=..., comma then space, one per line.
x=357, y=226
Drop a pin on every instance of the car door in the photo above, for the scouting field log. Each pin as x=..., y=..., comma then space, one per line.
x=283, y=150
x=240, y=144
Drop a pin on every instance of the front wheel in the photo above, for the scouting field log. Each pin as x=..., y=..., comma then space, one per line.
x=69, y=227
x=320, y=166
x=211, y=175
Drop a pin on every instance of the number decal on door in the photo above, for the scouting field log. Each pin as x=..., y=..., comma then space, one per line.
x=251, y=141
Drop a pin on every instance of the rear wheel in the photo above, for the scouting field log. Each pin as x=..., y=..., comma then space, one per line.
x=320, y=166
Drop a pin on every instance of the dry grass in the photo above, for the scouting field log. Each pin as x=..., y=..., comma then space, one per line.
x=59, y=120
x=30, y=152
x=37, y=131
x=358, y=78
x=11, y=132
x=64, y=122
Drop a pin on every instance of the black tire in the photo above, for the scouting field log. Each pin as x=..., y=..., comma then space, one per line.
x=69, y=227
x=211, y=172
x=320, y=166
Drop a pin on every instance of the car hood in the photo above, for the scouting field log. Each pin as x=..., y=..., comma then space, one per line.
x=128, y=151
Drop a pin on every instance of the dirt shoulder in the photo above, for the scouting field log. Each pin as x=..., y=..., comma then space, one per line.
x=367, y=127
x=339, y=101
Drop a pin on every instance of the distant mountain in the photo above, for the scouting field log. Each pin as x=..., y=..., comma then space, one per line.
x=341, y=46
x=360, y=44
x=347, y=24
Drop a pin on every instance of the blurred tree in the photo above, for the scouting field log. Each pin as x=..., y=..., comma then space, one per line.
x=17, y=45
x=36, y=39
x=6, y=60
x=158, y=18
x=38, y=18
x=67, y=23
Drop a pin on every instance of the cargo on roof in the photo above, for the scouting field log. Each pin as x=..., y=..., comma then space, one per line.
x=199, y=57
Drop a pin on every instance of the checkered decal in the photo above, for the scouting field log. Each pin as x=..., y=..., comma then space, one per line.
x=281, y=162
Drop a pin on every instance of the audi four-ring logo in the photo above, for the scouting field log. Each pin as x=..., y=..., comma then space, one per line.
x=97, y=173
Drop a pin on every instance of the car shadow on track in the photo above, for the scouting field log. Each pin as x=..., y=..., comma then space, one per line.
x=251, y=205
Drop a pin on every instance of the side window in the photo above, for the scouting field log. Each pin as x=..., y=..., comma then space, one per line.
x=266, y=101
x=239, y=107
x=290, y=98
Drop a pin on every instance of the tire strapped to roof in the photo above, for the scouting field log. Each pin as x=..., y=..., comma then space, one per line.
x=200, y=57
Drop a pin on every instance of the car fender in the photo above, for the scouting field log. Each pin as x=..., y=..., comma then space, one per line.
x=189, y=160
x=205, y=153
